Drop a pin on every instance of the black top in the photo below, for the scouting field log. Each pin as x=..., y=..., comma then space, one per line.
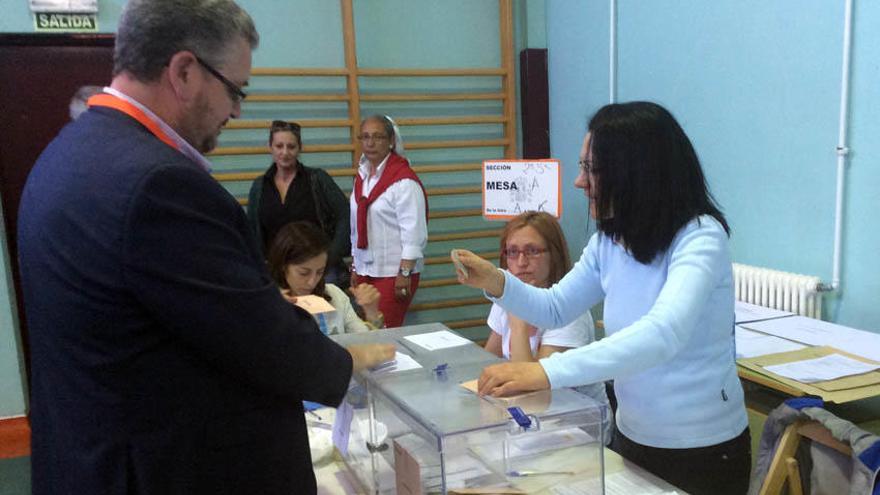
x=298, y=205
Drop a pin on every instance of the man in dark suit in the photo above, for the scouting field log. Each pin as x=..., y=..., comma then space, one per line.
x=164, y=359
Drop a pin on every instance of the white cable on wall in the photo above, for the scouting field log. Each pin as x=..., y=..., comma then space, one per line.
x=612, y=52
x=842, y=149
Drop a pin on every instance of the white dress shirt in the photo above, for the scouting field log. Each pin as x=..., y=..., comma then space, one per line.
x=396, y=225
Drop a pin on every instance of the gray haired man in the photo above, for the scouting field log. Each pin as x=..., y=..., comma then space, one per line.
x=164, y=360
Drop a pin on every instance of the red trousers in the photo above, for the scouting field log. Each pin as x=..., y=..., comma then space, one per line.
x=391, y=308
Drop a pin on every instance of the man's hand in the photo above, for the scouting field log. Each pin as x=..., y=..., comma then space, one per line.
x=481, y=274
x=500, y=380
x=368, y=355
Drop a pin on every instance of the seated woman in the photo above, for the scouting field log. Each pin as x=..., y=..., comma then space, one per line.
x=289, y=192
x=297, y=260
x=533, y=249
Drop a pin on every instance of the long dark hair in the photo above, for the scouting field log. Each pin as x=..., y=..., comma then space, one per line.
x=295, y=243
x=648, y=177
x=548, y=228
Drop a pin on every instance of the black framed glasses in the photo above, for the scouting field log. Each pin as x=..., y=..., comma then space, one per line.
x=234, y=90
x=588, y=167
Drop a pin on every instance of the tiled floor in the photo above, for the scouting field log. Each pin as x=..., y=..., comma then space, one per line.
x=15, y=476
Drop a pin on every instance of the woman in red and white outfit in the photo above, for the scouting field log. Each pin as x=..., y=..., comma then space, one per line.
x=389, y=211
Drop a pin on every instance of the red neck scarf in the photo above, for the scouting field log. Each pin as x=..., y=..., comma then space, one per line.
x=396, y=169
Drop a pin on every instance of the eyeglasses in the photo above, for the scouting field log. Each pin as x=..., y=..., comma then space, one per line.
x=283, y=125
x=529, y=251
x=234, y=90
x=588, y=167
x=373, y=137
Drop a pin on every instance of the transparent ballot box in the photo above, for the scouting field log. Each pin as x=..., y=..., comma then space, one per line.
x=411, y=427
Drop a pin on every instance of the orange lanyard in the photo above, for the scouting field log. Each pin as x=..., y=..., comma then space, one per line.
x=116, y=103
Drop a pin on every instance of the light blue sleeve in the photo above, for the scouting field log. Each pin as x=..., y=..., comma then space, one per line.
x=561, y=304
x=696, y=264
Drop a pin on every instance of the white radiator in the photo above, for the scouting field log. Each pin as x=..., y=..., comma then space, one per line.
x=779, y=290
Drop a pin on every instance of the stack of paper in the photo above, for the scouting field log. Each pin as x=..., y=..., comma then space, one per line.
x=747, y=312
x=817, y=332
x=750, y=343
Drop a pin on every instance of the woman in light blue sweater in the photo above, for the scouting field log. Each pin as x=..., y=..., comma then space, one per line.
x=660, y=260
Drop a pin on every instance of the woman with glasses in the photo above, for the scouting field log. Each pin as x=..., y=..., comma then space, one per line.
x=289, y=192
x=389, y=219
x=533, y=249
x=661, y=262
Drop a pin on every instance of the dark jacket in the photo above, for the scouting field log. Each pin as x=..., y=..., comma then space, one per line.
x=331, y=206
x=164, y=359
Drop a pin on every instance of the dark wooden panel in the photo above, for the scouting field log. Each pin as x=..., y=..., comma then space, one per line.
x=535, y=103
x=38, y=76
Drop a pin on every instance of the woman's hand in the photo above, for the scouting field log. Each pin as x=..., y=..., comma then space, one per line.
x=521, y=333
x=368, y=355
x=288, y=295
x=367, y=296
x=402, y=288
x=501, y=380
x=481, y=274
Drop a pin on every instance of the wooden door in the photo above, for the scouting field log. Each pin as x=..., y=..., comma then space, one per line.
x=38, y=76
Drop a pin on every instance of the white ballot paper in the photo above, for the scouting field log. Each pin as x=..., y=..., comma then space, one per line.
x=433, y=341
x=821, y=369
x=401, y=362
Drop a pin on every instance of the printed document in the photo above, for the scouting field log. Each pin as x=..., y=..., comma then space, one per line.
x=828, y=367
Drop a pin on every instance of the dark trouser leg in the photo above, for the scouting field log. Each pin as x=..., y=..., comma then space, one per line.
x=721, y=469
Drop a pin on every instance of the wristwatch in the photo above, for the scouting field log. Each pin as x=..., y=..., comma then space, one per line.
x=406, y=272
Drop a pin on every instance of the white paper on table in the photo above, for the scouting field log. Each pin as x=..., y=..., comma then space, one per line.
x=820, y=369
x=401, y=362
x=747, y=312
x=620, y=483
x=433, y=341
x=818, y=332
x=750, y=343
x=342, y=427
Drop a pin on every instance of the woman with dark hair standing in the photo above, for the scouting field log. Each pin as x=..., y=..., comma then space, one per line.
x=389, y=219
x=661, y=261
x=289, y=192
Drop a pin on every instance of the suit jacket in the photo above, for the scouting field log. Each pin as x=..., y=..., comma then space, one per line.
x=163, y=358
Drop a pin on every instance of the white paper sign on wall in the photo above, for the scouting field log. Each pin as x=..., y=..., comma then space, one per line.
x=511, y=187
x=80, y=6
